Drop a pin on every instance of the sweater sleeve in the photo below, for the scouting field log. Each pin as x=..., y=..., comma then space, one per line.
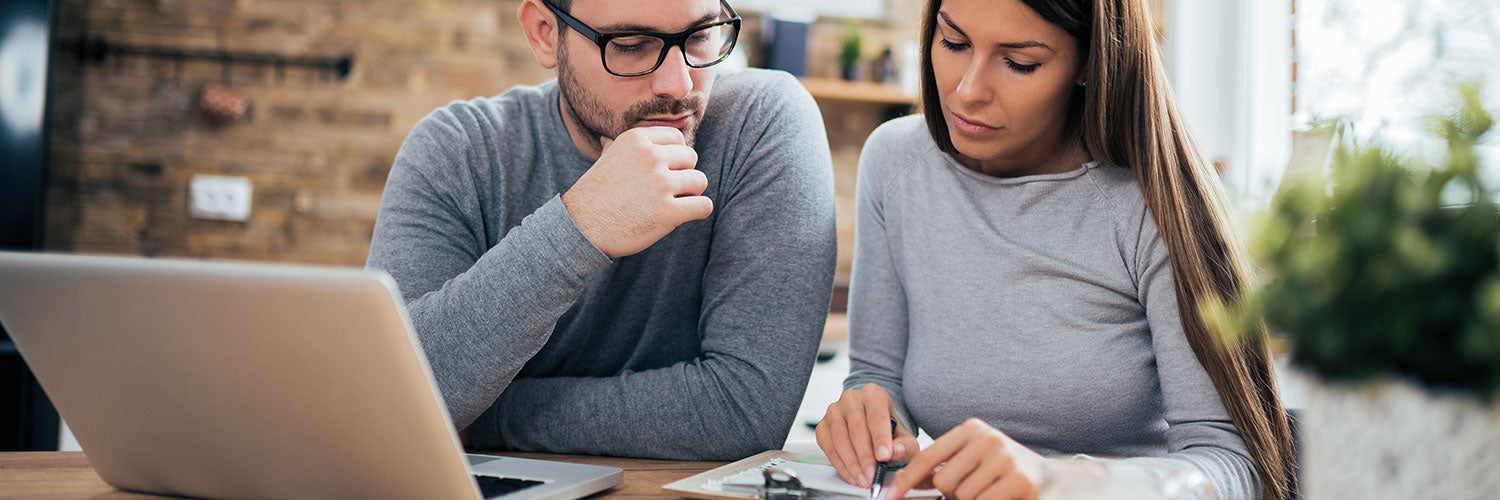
x=765, y=299
x=1200, y=432
x=878, y=327
x=480, y=313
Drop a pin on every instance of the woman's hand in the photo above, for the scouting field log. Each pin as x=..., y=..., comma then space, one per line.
x=856, y=432
x=971, y=461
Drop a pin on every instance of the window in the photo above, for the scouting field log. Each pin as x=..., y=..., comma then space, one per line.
x=1388, y=66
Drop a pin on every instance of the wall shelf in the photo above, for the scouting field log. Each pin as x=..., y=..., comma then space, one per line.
x=865, y=92
x=99, y=49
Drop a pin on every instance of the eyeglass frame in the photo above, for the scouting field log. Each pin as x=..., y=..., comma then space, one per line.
x=669, y=40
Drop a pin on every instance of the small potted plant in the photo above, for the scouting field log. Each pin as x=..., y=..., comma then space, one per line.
x=1384, y=279
x=851, y=46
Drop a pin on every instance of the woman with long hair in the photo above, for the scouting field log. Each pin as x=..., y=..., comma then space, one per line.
x=1030, y=257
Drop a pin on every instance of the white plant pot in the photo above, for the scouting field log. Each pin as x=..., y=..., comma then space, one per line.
x=1394, y=439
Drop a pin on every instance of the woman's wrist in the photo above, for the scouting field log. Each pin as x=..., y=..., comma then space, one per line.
x=1086, y=477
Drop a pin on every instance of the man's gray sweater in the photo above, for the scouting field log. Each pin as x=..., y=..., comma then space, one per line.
x=699, y=347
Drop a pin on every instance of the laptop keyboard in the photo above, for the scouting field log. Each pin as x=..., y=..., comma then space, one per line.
x=491, y=486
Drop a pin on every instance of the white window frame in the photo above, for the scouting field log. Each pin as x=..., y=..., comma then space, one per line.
x=1230, y=66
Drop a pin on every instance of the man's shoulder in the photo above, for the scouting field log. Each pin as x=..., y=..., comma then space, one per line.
x=763, y=109
x=452, y=135
x=511, y=106
x=747, y=88
x=454, y=128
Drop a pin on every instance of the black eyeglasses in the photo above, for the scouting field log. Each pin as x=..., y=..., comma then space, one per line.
x=636, y=54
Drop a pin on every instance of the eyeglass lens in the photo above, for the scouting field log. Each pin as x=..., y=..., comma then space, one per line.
x=639, y=54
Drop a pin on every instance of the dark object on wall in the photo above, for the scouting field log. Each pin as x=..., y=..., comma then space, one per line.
x=99, y=50
x=222, y=104
x=786, y=44
x=27, y=420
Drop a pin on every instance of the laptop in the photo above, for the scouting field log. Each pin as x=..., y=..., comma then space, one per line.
x=251, y=381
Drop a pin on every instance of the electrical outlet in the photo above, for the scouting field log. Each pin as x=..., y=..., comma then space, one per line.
x=217, y=197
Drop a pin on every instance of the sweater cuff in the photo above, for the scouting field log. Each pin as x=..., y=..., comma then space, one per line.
x=484, y=432
x=573, y=250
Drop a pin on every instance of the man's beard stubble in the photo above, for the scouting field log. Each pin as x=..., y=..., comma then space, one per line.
x=593, y=116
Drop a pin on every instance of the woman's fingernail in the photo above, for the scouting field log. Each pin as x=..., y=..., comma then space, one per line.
x=869, y=476
x=900, y=449
x=883, y=453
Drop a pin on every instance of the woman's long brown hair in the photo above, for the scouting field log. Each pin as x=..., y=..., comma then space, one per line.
x=1126, y=115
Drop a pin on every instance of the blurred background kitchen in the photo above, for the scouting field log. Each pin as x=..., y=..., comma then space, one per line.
x=263, y=130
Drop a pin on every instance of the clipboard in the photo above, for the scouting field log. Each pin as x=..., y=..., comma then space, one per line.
x=692, y=486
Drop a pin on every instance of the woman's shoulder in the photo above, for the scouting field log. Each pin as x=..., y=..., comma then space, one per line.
x=1119, y=189
x=1116, y=185
x=894, y=148
x=905, y=134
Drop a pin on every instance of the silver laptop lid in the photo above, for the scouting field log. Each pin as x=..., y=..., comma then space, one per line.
x=234, y=380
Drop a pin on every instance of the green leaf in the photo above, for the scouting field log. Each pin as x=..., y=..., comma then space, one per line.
x=1370, y=272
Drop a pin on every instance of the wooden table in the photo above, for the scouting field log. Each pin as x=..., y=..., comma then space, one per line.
x=63, y=475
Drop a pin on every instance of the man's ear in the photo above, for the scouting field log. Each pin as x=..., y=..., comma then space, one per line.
x=541, y=31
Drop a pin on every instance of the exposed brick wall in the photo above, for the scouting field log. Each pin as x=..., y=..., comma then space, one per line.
x=127, y=138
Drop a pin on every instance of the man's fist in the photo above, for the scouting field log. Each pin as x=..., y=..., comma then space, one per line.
x=643, y=186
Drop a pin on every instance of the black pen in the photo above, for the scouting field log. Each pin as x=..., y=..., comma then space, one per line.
x=880, y=467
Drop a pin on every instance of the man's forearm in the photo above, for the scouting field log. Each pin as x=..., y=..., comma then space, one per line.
x=710, y=409
x=481, y=326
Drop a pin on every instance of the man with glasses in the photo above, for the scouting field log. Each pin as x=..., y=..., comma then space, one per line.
x=612, y=263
